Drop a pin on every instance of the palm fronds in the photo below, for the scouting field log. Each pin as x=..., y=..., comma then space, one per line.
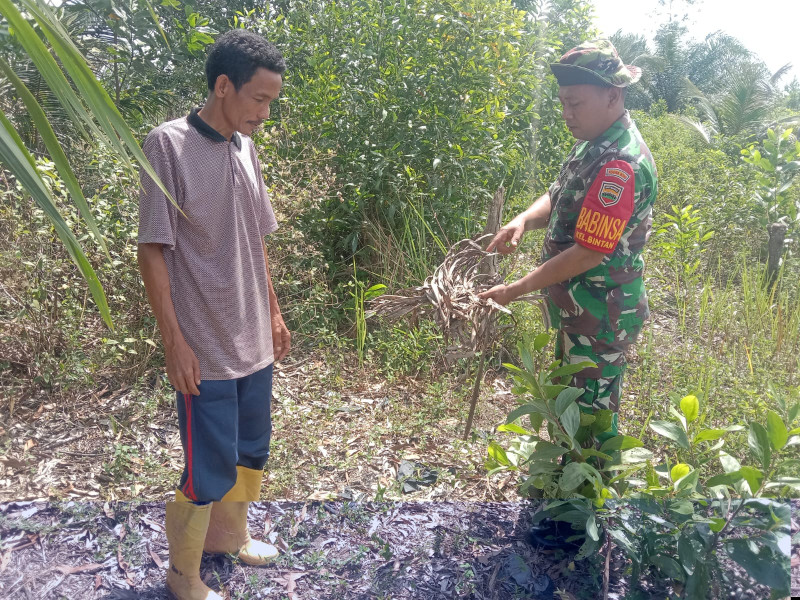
x=450, y=297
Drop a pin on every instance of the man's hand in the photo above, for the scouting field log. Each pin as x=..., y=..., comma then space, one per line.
x=183, y=369
x=281, y=338
x=502, y=294
x=507, y=239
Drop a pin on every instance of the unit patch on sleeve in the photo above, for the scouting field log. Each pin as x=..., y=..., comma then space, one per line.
x=620, y=174
x=607, y=208
x=610, y=193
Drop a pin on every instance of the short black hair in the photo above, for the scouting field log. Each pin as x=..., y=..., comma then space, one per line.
x=238, y=54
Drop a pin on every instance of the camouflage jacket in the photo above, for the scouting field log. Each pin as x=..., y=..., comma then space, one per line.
x=603, y=200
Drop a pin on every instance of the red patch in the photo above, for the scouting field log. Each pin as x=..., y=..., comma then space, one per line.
x=607, y=208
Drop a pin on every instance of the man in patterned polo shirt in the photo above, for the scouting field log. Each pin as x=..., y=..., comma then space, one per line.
x=598, y=218
x=205, y=268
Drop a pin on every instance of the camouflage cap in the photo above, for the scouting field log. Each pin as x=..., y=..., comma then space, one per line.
x=594, y=62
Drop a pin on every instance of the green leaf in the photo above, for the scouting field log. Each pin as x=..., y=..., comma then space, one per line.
x=758, y=440
x=622, y=540
x=620, y=442
x=716, y=524
x=707, y=435
x=678, y=471
x=536, y=421
x=587, y=452
x=669, y=566
x=56, y=152
x=374, y=291
x=570, y=369
x=514, y=428
x=575, y=474
x=527, y=359
x=794, y=412
x=680, y=417
x=778, y=434
x=632, y=457
x=681, y=507
x=687, y=553
x=498, y=454
x=567, y=398
x=779, y=482
x=156, y=21
x=603, y=420
x=690, y=407
x=571, y=419
x=528, y=380
x=784, y=464
x=672, y=431
x=551, y=391
x=625, y=474
x=753, y=477
x=548, y=451
x=16, y=159
x=48, y=68
x=115, y=130
x=729, y=464
x=724, y=479
x=540, y=341
x=761, y=563
x=687, y=482
x=526, y=409
x=591, y=528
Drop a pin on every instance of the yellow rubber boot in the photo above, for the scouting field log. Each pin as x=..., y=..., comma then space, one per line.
x=187, y=525
x=227, y=530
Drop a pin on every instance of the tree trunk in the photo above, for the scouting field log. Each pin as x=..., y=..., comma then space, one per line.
x=777, y=235
x=493, y=221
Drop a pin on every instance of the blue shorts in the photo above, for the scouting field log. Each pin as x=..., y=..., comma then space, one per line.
x=228, y=424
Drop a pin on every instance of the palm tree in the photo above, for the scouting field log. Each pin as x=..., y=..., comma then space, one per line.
x=676, y=69
x=746, y=108
x=88, y=107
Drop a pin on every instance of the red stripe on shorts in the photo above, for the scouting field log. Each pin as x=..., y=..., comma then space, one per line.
x=188, y=487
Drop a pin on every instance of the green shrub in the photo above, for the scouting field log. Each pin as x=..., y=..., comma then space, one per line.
x=674, y=511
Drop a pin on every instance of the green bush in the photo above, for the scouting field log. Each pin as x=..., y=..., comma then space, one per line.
x=419, y=103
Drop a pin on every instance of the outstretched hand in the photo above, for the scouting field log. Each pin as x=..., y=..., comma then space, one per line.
x=507, y=239
x=502, y=294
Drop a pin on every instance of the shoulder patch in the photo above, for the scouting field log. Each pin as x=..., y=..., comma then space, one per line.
x=610, y=193
x=620, y=174
x=607, y=208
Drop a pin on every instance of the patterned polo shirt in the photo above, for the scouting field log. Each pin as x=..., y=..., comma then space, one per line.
x=603, y=200
x=213, y=251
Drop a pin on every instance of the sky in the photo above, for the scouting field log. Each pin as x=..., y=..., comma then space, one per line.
x=769, y=28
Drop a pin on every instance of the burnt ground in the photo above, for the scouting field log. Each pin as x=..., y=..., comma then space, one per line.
x=330, y=550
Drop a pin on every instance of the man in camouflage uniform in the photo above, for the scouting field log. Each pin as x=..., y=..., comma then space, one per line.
x=598, y=218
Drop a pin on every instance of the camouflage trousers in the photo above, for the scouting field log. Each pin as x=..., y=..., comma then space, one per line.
x=602, y=385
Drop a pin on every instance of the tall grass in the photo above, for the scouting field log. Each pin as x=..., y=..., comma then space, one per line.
x=406, y=256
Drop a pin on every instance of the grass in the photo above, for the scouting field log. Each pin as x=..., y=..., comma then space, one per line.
x=738, y=351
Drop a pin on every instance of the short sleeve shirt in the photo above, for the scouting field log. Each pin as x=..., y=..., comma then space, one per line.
x=603, y=200
x=213, y=245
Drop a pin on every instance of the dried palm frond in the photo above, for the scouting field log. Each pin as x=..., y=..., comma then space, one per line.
x=450, y=297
